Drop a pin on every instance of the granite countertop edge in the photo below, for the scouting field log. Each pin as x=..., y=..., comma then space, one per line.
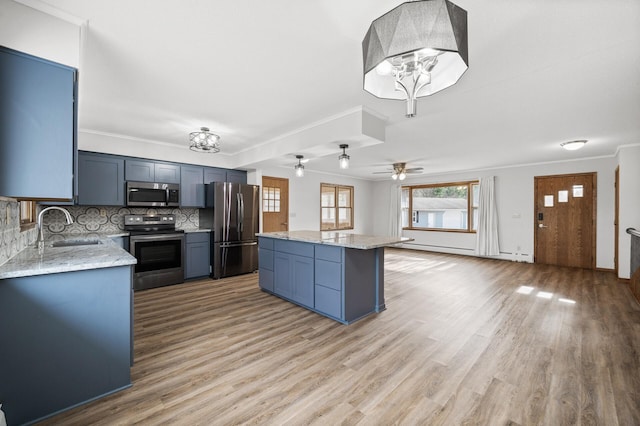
x=340, y=239
x=30, y=262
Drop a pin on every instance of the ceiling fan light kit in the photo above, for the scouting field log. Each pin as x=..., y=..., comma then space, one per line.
x=416, y=49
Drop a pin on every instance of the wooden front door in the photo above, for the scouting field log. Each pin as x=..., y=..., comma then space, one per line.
x=565, y=220
x=275, y=204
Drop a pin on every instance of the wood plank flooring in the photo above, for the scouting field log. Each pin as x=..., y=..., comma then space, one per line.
x=464, y=341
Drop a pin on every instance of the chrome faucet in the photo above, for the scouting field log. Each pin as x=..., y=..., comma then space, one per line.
x=40, y=239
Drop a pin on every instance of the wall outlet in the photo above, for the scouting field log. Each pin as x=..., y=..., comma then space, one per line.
x=103, y=212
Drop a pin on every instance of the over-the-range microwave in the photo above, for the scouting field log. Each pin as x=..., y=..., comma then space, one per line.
x=151, y=194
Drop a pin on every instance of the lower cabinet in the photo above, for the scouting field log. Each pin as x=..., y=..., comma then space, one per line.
x=197, y=255
x=265, y=264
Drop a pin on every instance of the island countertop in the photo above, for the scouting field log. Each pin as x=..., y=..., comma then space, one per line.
x=335, y=238
x=52, y=260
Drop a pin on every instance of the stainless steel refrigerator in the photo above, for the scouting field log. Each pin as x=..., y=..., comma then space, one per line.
x=232, y=214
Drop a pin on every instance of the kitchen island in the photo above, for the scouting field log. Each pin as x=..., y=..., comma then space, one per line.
x=65, y=326
x=335, y=274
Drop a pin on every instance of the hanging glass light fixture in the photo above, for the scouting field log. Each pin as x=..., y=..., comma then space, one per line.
x=299, y=167
x=417, y=49
x=204, y=141
x=344, y=158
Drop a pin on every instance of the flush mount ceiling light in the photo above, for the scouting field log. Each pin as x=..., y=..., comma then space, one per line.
x=204, y=141
x=299, y=167
x=344, y=158
x=415, y=50
x=573, y=145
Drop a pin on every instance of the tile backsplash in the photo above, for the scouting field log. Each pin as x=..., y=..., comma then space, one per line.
x=109, y=219
x=12, y=240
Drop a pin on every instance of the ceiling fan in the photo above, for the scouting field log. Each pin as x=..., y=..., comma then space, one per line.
x=400, y=171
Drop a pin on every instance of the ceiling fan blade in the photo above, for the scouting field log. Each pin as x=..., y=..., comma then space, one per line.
x=382, y=173
x=415, y=170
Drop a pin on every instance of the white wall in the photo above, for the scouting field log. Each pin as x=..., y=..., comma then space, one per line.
x=304, y=199
x=629, y=161
x=28, y=30
x=515, y=203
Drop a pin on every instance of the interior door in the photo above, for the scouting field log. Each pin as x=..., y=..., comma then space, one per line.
x=565, y=220
x=275, y=204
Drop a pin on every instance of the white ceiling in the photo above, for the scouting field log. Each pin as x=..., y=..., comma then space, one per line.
x=540, y=73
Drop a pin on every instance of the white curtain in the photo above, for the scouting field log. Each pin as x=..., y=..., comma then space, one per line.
x=487, y=232
x=395, y=211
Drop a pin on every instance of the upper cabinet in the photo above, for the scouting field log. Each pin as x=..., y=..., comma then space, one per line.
x=100, y=180
x=191, y=186
x=37, y=127
x=213, y=174
x=236, y=176
x=151, y=171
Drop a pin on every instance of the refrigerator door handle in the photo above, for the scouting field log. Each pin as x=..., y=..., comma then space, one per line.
x=241, y=209
x=226, y=245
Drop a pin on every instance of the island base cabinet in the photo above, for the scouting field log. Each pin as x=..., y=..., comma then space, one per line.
x=345, y=284
x=66, y=339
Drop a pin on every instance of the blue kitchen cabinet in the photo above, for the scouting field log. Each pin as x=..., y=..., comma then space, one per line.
x=236, y=176
x=342, y=283
x=38, y=121
x=167, y=173
x=214, y=174
x=265, y=264
x=197, y=255
x=191, y=186
x=140, y=170
x=151, y=171
x=66, y=340
x=293, y=276
x=100, y=180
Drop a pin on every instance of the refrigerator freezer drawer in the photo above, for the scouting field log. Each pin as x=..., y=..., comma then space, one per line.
x=230, y=259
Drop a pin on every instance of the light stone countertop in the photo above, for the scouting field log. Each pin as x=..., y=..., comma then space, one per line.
x=53, y=260
x=194, y=230
x=334, y=238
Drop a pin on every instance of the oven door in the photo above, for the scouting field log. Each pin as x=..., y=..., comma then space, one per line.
x=160, y=260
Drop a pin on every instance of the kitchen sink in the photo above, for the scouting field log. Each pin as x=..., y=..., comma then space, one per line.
x=72, y=243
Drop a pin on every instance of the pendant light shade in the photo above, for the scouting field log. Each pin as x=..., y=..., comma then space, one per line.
x=344, y=158
x=417, y=49
x=299, y=167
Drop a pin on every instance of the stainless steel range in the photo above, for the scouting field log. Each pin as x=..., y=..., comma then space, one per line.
x=159, y=248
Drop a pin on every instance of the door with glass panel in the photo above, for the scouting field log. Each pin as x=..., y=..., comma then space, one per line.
x=565, y=220
x=275, y=204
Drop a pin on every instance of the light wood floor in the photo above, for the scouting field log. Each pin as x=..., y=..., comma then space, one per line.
x=458, y=344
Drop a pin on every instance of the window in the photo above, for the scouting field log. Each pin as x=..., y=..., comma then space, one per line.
x=336, y=207
x=27, y=214
x=443, y=207
x=270, y=199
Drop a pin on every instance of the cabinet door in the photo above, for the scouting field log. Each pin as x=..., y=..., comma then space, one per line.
x=37, y=127
x=141, y=171
x=282, y=274
x=212, y=174
x=167, y=173
x=191, y=187
x=100, y=180
x=236, y=176
x=302, y=284
x=197, y=260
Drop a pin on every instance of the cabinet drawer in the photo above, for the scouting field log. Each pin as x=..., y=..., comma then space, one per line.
x=265, y=259
x=266, y=243
x=265, y=279
x=328, y=301
x=332, y=253
x=294, y=247
x=328, y=274
x=197, y=237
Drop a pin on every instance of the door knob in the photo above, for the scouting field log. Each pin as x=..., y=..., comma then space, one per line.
x=542, y=225
x=284, y=223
